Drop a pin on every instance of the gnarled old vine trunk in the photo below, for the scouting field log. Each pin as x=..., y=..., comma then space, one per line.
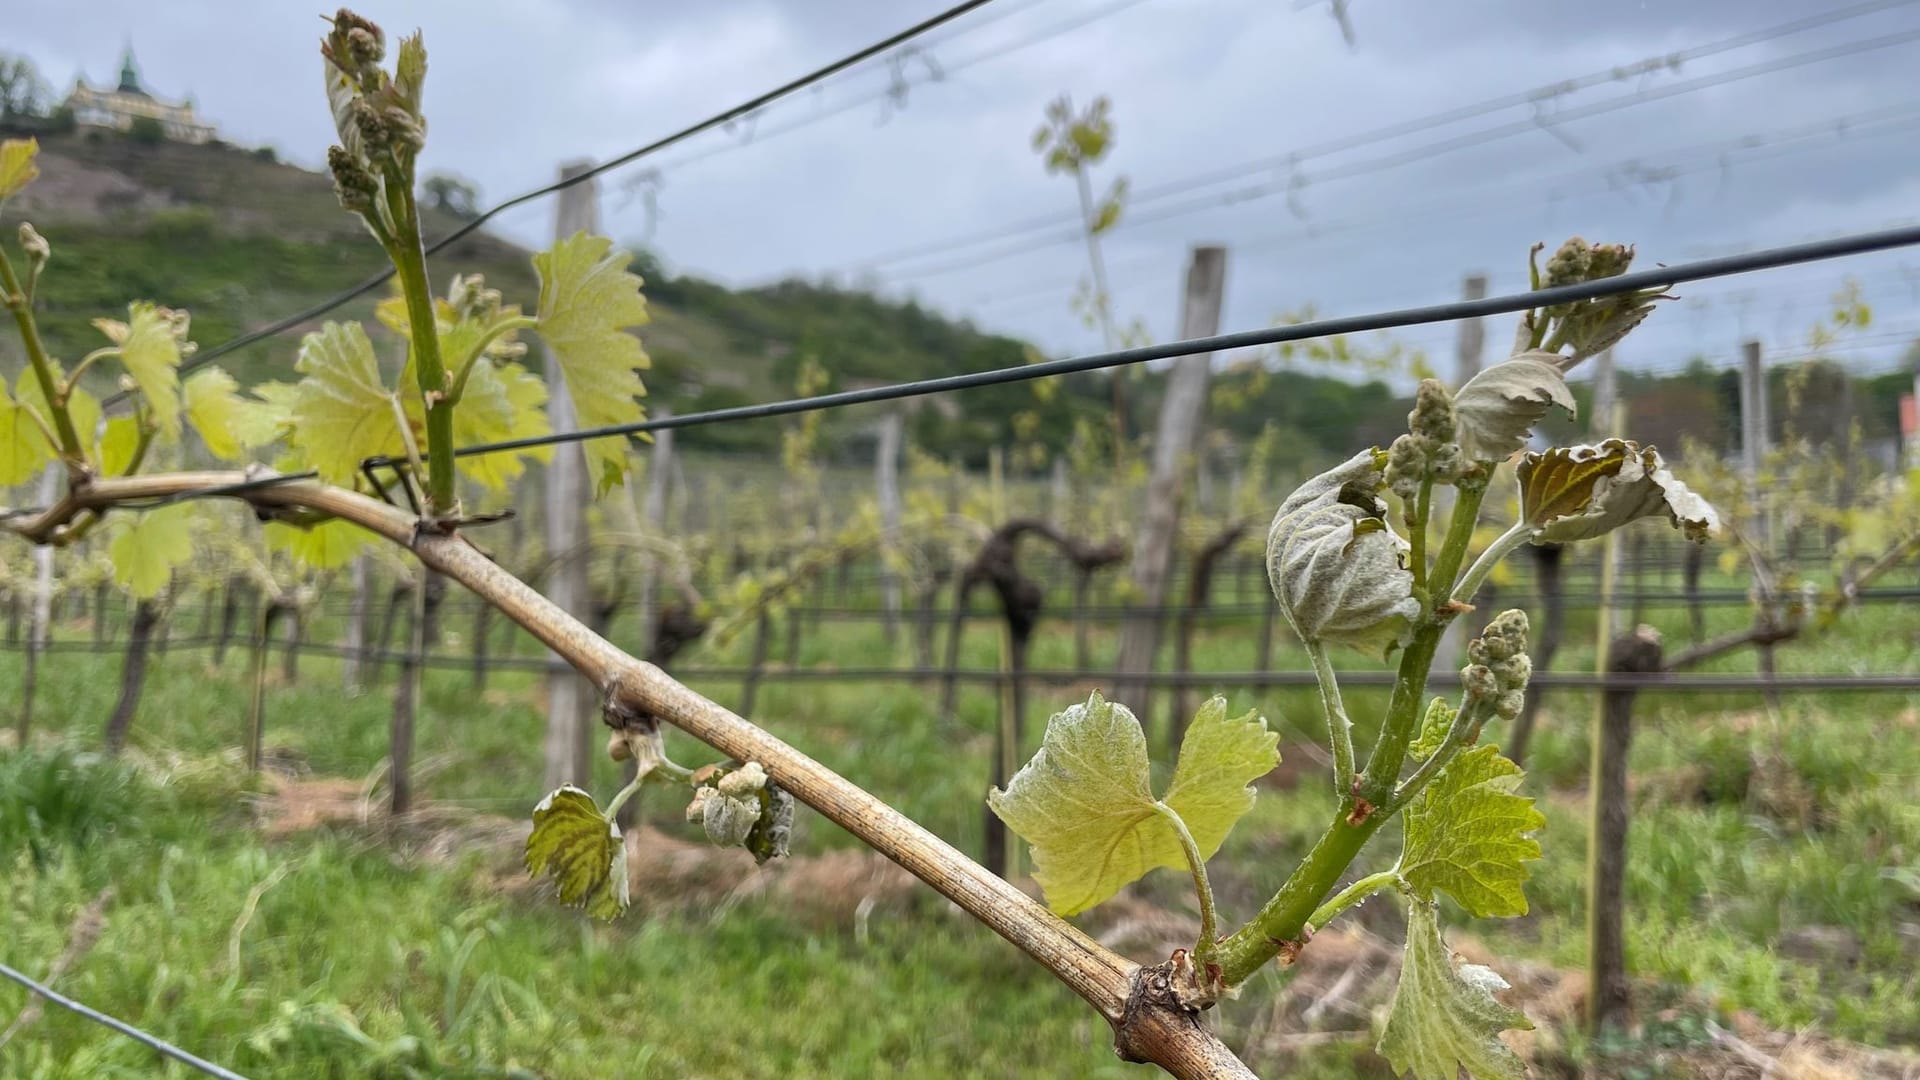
x=133, y=674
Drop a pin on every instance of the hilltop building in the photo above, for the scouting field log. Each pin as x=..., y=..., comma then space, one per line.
x=118, y=108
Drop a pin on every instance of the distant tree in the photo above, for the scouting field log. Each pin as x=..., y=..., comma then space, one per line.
x=23, y=92
x=62, y=121
x=453, y=194
x=146, y=131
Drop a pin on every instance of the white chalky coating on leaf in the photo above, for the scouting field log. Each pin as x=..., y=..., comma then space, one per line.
x=1085, y=801
x=1575, y=493
x=1444, y=1017
x=1335, y=566
x=1496, y=409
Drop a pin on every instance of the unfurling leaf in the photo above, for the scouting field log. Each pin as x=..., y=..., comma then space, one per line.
x=1335, y=565
x=581, y=849
x=145, y=553
x=228, y=423
x=17, y=169
x=341, y=412
x=1469, y=836
x=328, y=545
x=119, y=440
x=23, y=447
x=1085, y=801
x=1444, y=1017
x=151, y=343
x=1433, y=729
x=1496, y=409
x=587, y=302
x=1579, y=492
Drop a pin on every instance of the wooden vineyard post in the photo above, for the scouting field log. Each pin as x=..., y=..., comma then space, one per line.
x=570, y=699
x=408, y=694
x=40, y=622
x=1175, y=438
x=354, y=659
x=886, y=477
x=1608, y=993
x=653, y=524
x=1696, y=555
x=259, y=630
x=750, y=686
x=133, y=672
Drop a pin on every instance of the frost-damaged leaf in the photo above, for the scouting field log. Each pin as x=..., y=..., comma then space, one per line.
x=228, y=423
x=1335, y=564
x=587, y=300
x=1496, y=409
x=17, y=169
x=1574, y=493
x=1469, y=835
x=1085, y=802
x=1444, y=1017
x=342, y=413
x=151, y=343
x=145, y=553
x=581, y=849
x=328, y=545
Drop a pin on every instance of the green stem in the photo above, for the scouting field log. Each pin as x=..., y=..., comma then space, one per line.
x=1203, y=950
x=1281, y=920
x=1352, y=895
x=464, y=365
x=1476, y=574
x=1470, y=715
x=613, y=808
x=1417, y=532
x=1339, y=728
x=410, y=261
x=1453, y=550
x=16, y=298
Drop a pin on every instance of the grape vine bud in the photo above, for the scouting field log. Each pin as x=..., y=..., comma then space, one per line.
x=744, y=781
x=36, y=246
x=1479, y=681
x=1509, y=705
x=1432, y=416
x=1404, y=465
x=1334, y=563
x=617, y=747
x=1570, y=265
x=728, y=820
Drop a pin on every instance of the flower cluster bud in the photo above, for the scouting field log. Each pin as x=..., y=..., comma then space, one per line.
x=1500, y=668
x=378, y=116
x=1428, y=451
x=1592, y=326
x=36, y=246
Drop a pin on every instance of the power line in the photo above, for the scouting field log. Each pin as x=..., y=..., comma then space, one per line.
x=1352, y=324
x=152, y=1042
x=1056, y=233
x=1536, y=97
x=719, y=119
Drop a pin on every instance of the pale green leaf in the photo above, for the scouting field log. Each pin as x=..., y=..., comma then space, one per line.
x=151, y=343
x=1219, y=757
x=1433, y=729
x=501, y=402
x=341, y=412
x=1468, y=835
x=17, y=168
x=581, y=849
x=328, y=545
x=1444, y=1017
x=145, y=552
x=1085, y=802
x=24, y=450
x=228, y=423
x=118, y=441
x=587, y=300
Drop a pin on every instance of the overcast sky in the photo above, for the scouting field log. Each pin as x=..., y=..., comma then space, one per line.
x=1752, y=139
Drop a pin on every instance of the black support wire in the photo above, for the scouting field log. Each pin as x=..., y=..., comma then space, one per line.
x=154, y=1043
x=719, y=119
x=1659, y=277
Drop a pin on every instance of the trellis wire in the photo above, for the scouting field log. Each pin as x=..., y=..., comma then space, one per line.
x=152, y=1042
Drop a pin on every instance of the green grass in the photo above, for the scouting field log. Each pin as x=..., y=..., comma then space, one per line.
x=364, y=959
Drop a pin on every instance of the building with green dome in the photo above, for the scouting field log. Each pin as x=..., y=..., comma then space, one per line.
x=117, y=108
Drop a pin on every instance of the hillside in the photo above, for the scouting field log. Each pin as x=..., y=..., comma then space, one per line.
x=239, y=239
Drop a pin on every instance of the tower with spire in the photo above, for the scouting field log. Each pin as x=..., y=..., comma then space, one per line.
x=117, y=109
